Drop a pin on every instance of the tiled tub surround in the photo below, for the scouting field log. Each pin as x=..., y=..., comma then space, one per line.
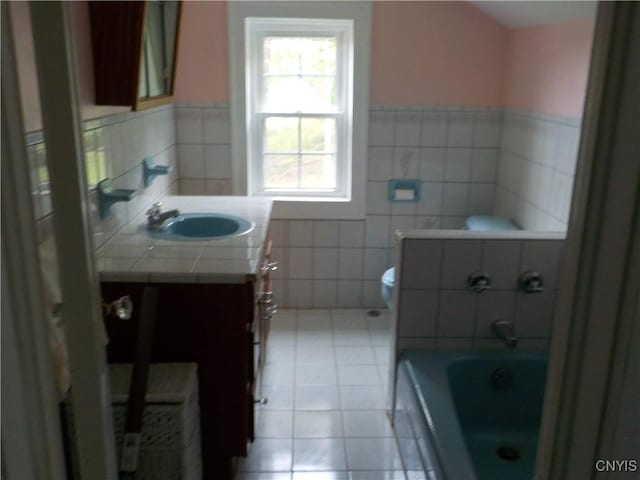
x=115, y=147
x=538, y=156
x=435, y=308
x=134, y=256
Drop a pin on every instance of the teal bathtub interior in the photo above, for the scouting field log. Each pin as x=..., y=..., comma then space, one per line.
x=470, y=415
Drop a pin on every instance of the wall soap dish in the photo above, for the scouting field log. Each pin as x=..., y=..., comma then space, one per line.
x=404, y=190
x=107, y=196
x=151, y=170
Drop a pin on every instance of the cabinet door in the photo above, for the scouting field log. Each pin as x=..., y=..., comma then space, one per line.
x=134, y=51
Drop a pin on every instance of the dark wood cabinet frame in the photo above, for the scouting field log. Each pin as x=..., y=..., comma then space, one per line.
x=117, y=33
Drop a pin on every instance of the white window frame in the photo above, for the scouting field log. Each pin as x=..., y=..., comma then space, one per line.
x=349, y=201
x=256, y=30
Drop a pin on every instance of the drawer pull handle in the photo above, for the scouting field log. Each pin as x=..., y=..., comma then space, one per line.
x=270, y=267
x=261, y=400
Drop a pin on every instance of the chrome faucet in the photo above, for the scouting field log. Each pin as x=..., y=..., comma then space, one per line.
x=155, y=218
x=504, y=329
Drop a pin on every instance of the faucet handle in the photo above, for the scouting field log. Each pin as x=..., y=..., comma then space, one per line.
x=478, y=282
x=531, y=282
x=155, y=209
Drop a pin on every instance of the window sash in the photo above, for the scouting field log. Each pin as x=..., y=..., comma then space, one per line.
x=340, y=111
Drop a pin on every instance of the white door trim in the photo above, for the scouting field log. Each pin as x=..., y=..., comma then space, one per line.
x=597, y=303
x=31, y=437
x=76, y=256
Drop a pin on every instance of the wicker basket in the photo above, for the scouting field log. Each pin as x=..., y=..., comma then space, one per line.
x=170, y=445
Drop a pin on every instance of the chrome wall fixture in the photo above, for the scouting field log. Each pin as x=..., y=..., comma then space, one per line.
x=531, y=282
x=478, y=282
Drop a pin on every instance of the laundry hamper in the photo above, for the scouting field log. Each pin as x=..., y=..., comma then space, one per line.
x=170, y=446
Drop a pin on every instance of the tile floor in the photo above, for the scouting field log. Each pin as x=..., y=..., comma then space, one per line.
x=326, y=382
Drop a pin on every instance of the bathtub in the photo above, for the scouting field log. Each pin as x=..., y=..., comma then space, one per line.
x=469, y=415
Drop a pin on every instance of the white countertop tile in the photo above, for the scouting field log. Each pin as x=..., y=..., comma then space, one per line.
x=133, y=255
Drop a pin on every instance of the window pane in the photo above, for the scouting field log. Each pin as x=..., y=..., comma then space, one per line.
x=281, y=134
x=317, y=93
x=281, y=55
x=280, y=171
x=318, y=172
x=318, y=55
x=318, y=135
x=281, y=94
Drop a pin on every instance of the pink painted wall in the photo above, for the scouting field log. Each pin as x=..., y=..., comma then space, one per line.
x=27, y=73
x=202, y=71
x=436, y=53
x=548, y=67
x=422, y=52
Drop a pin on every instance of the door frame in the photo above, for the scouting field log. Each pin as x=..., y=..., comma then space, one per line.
x=79, y=283
x=596, y=316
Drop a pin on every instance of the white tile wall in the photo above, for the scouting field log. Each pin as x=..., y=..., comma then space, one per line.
x=457, y=153
x=538, y=156
x=436, y=310
x=203, y=137
x=115, y=147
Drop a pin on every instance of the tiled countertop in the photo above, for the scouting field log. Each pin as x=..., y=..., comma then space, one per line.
x=133, y=255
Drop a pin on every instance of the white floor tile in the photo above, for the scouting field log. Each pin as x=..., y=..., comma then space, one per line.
x=274, y=424
x=351, y=338
x=279, y=397
x=316, y=397
x=314, y=338
x=372, y=454
x=362, y=398
x=268, y=455
x=358, y=375
x=283, y=321
x=282, y=337
x=320, y=475
x=315, y=374
x=354, y=320
x=315, y=354
x=417, y=475
x=263, y=476
x=326, y=424
x=355, y=356
x=319, y=454
x=315, y=321
x=382, y=322
x=278, y=375
x=380, y=338
x=280, y=354
x=372, y=423
x=378, y=475
x=383, y=355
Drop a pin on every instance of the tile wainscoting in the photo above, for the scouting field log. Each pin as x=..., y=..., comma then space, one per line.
x=538, y=155
x=115, y=147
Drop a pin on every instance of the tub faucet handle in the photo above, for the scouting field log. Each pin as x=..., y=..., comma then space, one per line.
x=531, y=282
x=478, y=282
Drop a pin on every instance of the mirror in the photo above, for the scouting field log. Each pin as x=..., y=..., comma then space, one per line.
x=158, y=50
x=134, y=51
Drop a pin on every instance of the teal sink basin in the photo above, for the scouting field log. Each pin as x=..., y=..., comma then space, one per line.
x=203, y=226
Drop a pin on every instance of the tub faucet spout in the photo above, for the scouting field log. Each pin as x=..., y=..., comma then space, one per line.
x=504, y=329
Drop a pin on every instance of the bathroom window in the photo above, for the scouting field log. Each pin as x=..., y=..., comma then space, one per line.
x=299, y=98
x=299, y=126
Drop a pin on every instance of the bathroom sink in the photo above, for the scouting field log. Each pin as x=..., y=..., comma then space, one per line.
x=202, y=226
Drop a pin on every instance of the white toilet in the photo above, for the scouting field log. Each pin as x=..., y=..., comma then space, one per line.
x=474, y=222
